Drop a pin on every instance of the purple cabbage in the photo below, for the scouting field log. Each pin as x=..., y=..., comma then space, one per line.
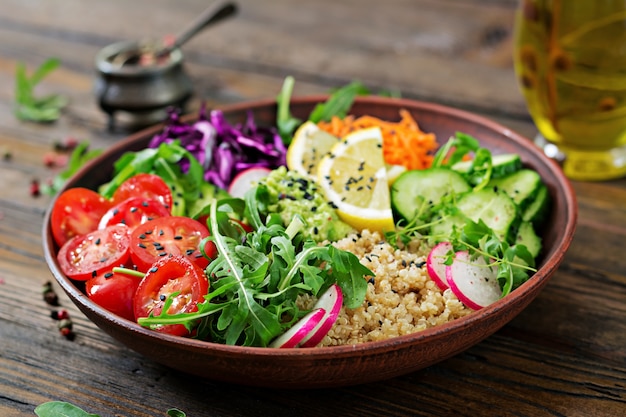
x=223, y=149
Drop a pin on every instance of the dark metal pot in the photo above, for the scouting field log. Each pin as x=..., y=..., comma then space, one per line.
x=144, y=92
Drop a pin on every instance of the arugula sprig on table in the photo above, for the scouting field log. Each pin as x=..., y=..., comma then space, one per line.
x=27, y=105
x=65, y=409
x=257, y=276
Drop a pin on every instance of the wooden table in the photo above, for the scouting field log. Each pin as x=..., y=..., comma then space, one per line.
x=565, y=355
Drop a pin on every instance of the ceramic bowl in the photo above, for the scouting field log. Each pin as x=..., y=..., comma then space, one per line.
x=345, y=365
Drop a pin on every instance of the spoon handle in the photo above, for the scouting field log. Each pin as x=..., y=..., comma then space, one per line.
x=216, y=12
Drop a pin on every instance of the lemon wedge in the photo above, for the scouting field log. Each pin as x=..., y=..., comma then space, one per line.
x=308, y=146
x=354, y=178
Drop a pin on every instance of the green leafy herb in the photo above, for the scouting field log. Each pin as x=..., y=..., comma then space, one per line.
x=79, y=157
x=65, y=409
x=29, y=107
x=339, y=102
x=61, y=409
x=285, y=122
x=257, y=277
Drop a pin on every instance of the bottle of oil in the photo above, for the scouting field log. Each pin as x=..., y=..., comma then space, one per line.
x=570, y=59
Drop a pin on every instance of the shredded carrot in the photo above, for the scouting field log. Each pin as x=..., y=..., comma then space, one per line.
x=404, y=143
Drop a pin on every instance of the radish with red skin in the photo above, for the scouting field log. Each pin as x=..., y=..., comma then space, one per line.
x=247, y=179
x=473, y=282
x=435, y=264
x=331, y=301
x=294, y=336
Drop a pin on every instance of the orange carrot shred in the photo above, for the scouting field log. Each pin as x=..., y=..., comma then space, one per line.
x=404, y=143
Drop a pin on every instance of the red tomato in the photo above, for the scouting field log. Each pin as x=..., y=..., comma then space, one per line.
x=132, y=212
x=85, y=256
x=76, y=211
x=167, y=276
x=148, y=186
x=166, y=236
x=114, y=291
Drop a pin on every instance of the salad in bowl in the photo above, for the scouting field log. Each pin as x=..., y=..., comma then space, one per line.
x=336, y=227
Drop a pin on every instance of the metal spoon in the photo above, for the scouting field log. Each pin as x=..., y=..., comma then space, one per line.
x=215, y=13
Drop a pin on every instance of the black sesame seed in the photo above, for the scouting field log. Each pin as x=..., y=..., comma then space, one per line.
x=97, y=242
x=133, y=209
x=108, y=275
x=162, y=297
x=141, y=245
x=178, y=237
x=153, y=269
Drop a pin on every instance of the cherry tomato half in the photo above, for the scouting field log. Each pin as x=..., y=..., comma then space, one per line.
x=166, y=236
x=169, y=275
x=85, y=256
x=148, y=186
x=114, y=291
x=76, y=211
x=132, y=212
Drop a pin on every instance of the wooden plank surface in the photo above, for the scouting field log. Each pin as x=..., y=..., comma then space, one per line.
x=565, y=355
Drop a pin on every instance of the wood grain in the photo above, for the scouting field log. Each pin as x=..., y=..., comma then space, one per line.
x=565, y=355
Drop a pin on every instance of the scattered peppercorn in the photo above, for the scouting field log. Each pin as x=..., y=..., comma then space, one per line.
x=49, y=296
x=34, y=188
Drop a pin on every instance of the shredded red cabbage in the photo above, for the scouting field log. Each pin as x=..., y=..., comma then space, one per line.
x=224, y=149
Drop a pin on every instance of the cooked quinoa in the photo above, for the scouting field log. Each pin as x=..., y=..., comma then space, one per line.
x=400, y=299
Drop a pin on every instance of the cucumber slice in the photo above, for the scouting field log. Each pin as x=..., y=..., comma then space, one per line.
x=538, y=209
x=527, y=236
x=497, y=210
x=417, y=192
x=444, y=225
x=522, y=186
x=502, y=165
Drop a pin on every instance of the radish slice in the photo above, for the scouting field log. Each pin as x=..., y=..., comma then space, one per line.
x=247, y=179
x=294, y=336
x=435, y=264
x=331, y=301
x=472, y=281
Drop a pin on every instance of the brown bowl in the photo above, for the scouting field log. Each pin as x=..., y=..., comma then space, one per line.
x=344, y=365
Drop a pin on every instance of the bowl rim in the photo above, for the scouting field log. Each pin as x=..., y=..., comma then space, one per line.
x=538, y=280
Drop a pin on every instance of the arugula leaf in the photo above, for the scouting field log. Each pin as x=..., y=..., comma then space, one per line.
x=61, y=409
x=257, y=277
x=339, y=102
x=285, y=122
x=65, y=409
x=37, y=109
x=79, y=157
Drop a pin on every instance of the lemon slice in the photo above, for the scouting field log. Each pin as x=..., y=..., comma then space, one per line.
x=308, y=146
x=354, y=177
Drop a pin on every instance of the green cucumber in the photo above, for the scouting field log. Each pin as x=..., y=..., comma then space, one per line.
x=538, y=209
x=496, y=209
x=418, y=192
x=502, y=165
x=527, y=236
x=444, y=225
x=522, y=186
